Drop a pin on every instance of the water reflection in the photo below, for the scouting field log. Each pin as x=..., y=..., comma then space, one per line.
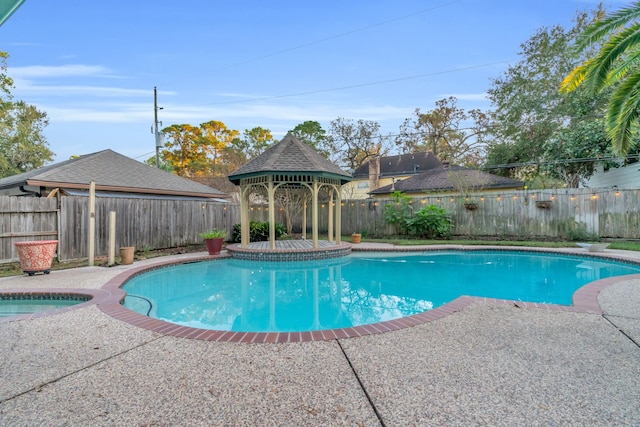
x=251, y=296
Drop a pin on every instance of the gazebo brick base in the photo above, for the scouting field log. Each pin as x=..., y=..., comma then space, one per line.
x=258, y=251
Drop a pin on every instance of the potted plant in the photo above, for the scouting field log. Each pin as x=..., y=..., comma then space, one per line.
x=356, y=238
x=213, y=239
x=127, y=254
x=36, y=255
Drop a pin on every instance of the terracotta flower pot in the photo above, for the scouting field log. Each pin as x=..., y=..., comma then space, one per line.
x=126, y=254
x=36, y=255
x=356, y=238
x=214, y=246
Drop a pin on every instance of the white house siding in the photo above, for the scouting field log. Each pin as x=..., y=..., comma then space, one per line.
x=626, y=177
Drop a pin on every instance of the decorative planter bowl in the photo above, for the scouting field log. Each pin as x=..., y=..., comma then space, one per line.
x=593, y=247
x=36, y=255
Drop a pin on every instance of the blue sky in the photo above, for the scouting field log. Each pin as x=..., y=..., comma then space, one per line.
x=92, y=66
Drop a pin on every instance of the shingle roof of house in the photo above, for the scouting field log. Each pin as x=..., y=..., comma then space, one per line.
x=289, y=156
x=110, y=171
x=402, y=164
x=441, y=180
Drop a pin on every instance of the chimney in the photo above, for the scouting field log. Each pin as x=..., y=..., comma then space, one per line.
x=374, y=173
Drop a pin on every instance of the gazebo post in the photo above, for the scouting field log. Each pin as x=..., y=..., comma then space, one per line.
x=338, y=217
x=330, y=217
x=272, y=214
x=314, y=213
x=304, y=219
x=244, y=215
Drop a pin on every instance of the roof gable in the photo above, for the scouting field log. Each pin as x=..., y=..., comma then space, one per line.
x=110, y=171
x=442, y=180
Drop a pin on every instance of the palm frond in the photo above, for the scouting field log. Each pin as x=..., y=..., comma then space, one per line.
x=599, y=30
x=630, y=63
x=615, y=48
x=575, y=78
x=623, y=112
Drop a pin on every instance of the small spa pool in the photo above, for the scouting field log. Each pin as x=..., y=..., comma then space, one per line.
x=19, y=304
x=359, y=289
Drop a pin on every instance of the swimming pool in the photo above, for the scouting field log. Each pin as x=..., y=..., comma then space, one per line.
x=18, y=304
x=360, y=289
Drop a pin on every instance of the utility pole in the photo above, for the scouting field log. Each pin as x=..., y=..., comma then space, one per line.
x=155, y=131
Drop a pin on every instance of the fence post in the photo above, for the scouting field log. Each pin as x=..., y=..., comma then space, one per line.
x=112, y=237
x=92, y=222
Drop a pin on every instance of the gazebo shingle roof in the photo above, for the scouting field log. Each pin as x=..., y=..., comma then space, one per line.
x=289, y=156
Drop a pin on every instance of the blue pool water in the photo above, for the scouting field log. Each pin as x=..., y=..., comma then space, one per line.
x=15, y=305
x=359, y=289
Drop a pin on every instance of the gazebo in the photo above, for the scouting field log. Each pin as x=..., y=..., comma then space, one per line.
x=290, y=165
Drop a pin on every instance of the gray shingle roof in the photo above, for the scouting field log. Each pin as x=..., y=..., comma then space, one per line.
x=289, y=156
x=112, y=171
x=402, y=164
x=440, y=180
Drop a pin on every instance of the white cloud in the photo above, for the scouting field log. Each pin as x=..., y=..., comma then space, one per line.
x=70, y=70
x=25, y=87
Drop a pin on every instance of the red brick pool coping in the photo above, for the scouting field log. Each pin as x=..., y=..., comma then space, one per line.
x=109, y=298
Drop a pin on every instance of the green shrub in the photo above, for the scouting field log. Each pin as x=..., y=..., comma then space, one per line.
x=258, y=231
x=399, y=212
x=430, y=222
x=579, y=233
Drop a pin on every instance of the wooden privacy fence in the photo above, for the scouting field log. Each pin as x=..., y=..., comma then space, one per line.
x=143, y=223
x=608, y=213
x=26, y=218
x=153, y=223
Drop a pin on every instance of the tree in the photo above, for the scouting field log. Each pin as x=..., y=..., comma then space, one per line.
x=533, y=123
x=449, y=132
x=352, y=144
x=23, y=146
x=258, y=139
x=311, y=132
x=195, y=151
x=291, y=200
x=184, y=150
x=241, y=150
x=216, y=136
x=616, y=63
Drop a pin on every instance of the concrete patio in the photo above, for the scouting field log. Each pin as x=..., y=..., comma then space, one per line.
x=489, y=364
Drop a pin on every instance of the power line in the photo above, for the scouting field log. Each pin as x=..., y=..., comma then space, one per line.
x=335, y=36
x=558, y=162
x=380, y=82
